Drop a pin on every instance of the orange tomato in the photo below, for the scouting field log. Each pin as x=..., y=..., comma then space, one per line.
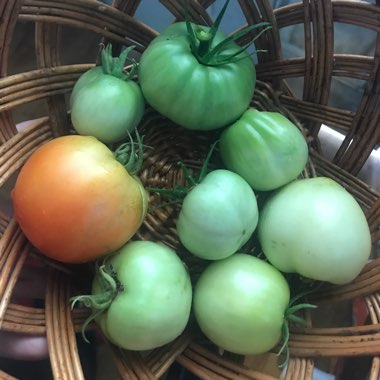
x=75, y=202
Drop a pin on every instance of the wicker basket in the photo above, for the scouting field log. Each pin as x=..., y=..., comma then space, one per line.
x=45, y=87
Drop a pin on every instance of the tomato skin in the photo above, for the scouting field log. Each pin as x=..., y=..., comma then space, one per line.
x=105, y=106
x=240, y=302
x=316, y=228
x=218, y=215
x=191, y=94
x=265, y=148
x=75, y=202
x=86, y=78
x=154, y=307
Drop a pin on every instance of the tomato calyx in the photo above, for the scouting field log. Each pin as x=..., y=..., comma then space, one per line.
x=99, y=302
x=128, y=156
x=201, y=41
x=115, y=66
x=179, y=192
x=290, y=316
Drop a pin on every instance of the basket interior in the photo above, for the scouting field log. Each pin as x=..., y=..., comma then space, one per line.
x=315, y=80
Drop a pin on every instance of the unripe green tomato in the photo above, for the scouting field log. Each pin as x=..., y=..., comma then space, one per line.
x=316, y=228
x=265, y=148
x=240, y=303
x=87, y=77
x=153, y=304
x=195, y=95
x=107, y=108
x=218, y=215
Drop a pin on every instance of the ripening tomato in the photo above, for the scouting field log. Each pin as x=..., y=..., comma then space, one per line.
x=75, y=201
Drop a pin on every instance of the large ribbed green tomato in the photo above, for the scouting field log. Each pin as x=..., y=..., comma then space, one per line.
x=265, y=148
x=316, y=228
x=190, y=93
x=218, y=215
x=148, y=300
x=240, y=304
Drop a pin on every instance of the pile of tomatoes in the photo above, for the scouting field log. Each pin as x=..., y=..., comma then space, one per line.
x=77, y=201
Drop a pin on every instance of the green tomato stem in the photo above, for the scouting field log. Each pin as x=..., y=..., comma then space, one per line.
x=115, y=65
x=204, y=41
x=201, y=40
x=289, y=316
x=284, y=347
x=206, y=163
x=100, y=302
x=127, y=155
x=179, y=192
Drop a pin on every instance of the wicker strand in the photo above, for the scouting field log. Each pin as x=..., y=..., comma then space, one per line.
x=47, y=50
x=14, y=249
x=59, y=329
x=127, y=6
x=316, y=112
x=31, y=320
x=373, y=217
x=373, y=307
x=5, y=376
x=197, y=13
x=8, y=12
x=208, y=365
x=130, y=365
x=89, y=15
x=270, y=41
x=375, y=369
x=39, y=84
x=299, y=369
x=160, y=360
x=4, y=220
x=315, y=346
x=17, y=150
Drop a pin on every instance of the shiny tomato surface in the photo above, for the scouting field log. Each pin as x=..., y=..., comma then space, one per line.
x=75, y=202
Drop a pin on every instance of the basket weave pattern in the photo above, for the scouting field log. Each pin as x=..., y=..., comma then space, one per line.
x=50, y=82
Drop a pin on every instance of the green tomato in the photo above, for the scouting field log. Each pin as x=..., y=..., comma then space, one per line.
x=151, y=306
x=314, y=227
x=265, y=148
x=195, y=95
x=218, y=215
x=86, y=78
x=107, y=108
x=106, y=103
x=240, y=304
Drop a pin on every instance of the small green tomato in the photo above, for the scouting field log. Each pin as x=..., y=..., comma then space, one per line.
x=218, y=215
